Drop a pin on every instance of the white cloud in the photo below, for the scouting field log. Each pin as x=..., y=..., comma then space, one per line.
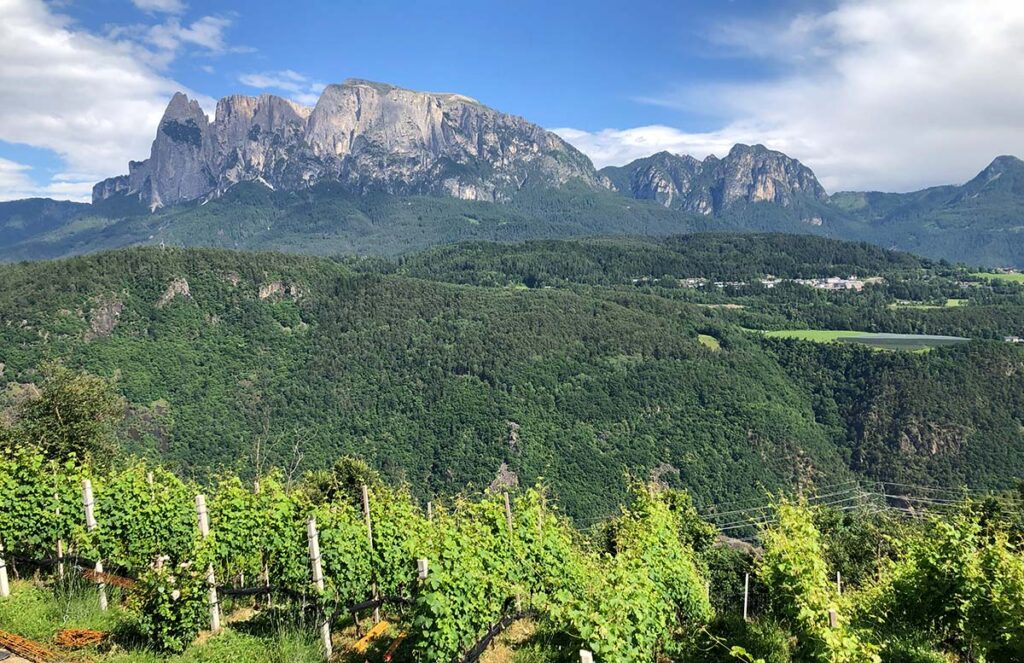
x=886, y=94
x=15, y=183
x=206, y=32
x=93, y=100
x=297, y=86
x=614, y=147
x=165, y=6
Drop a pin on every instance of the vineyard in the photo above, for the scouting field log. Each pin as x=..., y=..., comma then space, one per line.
x=341, y=551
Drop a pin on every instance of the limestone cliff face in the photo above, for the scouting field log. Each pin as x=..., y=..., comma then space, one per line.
x=369, y=136
x=748, y=174
x=665, y=177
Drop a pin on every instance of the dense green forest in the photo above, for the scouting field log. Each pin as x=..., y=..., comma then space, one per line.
x=327, y=220
x=912, y=298
x=575, y=362
x=620, y=261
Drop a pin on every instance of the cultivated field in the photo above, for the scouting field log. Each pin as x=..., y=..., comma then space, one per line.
x=880, y=341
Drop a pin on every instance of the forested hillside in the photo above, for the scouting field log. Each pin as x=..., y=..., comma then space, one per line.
x=622, y=261
x=328, y=220
x=235, y=359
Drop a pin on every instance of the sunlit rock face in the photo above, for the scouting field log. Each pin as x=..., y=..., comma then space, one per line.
x=368, y=136
x=748, y=174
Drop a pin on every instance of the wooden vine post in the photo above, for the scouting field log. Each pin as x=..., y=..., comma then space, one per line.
x=90, y=526
x=508, y=521
x=369, y=533
x=508, y=513
x=839, y=583
x=318, y=582
x=211, y=581
x=60, y=541
x=586, y=656
x=5, y=588
x=264, y=563
x=746, y=594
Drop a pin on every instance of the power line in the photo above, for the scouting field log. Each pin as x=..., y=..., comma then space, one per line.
x=750, y=521
x=775, y=521
x=853, y=489
x=761, y=499
x=962, y=492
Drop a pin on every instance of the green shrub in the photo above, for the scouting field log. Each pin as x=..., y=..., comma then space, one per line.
x=171, y=604
x=801, y=594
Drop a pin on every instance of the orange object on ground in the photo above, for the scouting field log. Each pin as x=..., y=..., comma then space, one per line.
x=75, y=638
x=390, y=653
x=110, y=579
x=26, y=648
x=378, y=630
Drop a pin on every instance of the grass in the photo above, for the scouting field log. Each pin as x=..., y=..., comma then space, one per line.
x=232, y=646
x=37, y=612
x=710, y=342
x=526, y=641
x=1015, y=277
x=819, y=335
x=912, y=342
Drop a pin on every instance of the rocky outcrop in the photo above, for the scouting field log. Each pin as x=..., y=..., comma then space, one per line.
x=280, y=290
x=103, y=317
x=513, y=435
x=369, y=136
x=748, y=174
x=177, y=288
x=504, y=479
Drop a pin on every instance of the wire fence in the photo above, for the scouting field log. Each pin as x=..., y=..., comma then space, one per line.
x=745, y=522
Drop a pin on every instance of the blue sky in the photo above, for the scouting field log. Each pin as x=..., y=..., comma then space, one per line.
x=582, y=64
x=886, y=94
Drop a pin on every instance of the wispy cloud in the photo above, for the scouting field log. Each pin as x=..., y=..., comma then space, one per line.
x=297, y=86
x=888, y=94
x=206, y=32
x=163, y=6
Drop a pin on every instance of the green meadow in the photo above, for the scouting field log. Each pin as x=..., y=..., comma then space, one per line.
x=1015, y=277
x=879, y=341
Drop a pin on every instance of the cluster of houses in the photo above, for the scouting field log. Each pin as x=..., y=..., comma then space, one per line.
x=829, y=283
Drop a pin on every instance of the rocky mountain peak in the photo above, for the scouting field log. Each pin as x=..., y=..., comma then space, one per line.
x=747, y=174
x=1002, y=164
x=1006, y=161
x=757, y=174
x=366, y=135
x=180, y=107
x=1004, y=176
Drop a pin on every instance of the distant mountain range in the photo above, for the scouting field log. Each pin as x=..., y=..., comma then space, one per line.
x=378, y=169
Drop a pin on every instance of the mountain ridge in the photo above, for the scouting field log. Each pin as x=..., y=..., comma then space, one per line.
x=374, y=168
x=748, y=173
